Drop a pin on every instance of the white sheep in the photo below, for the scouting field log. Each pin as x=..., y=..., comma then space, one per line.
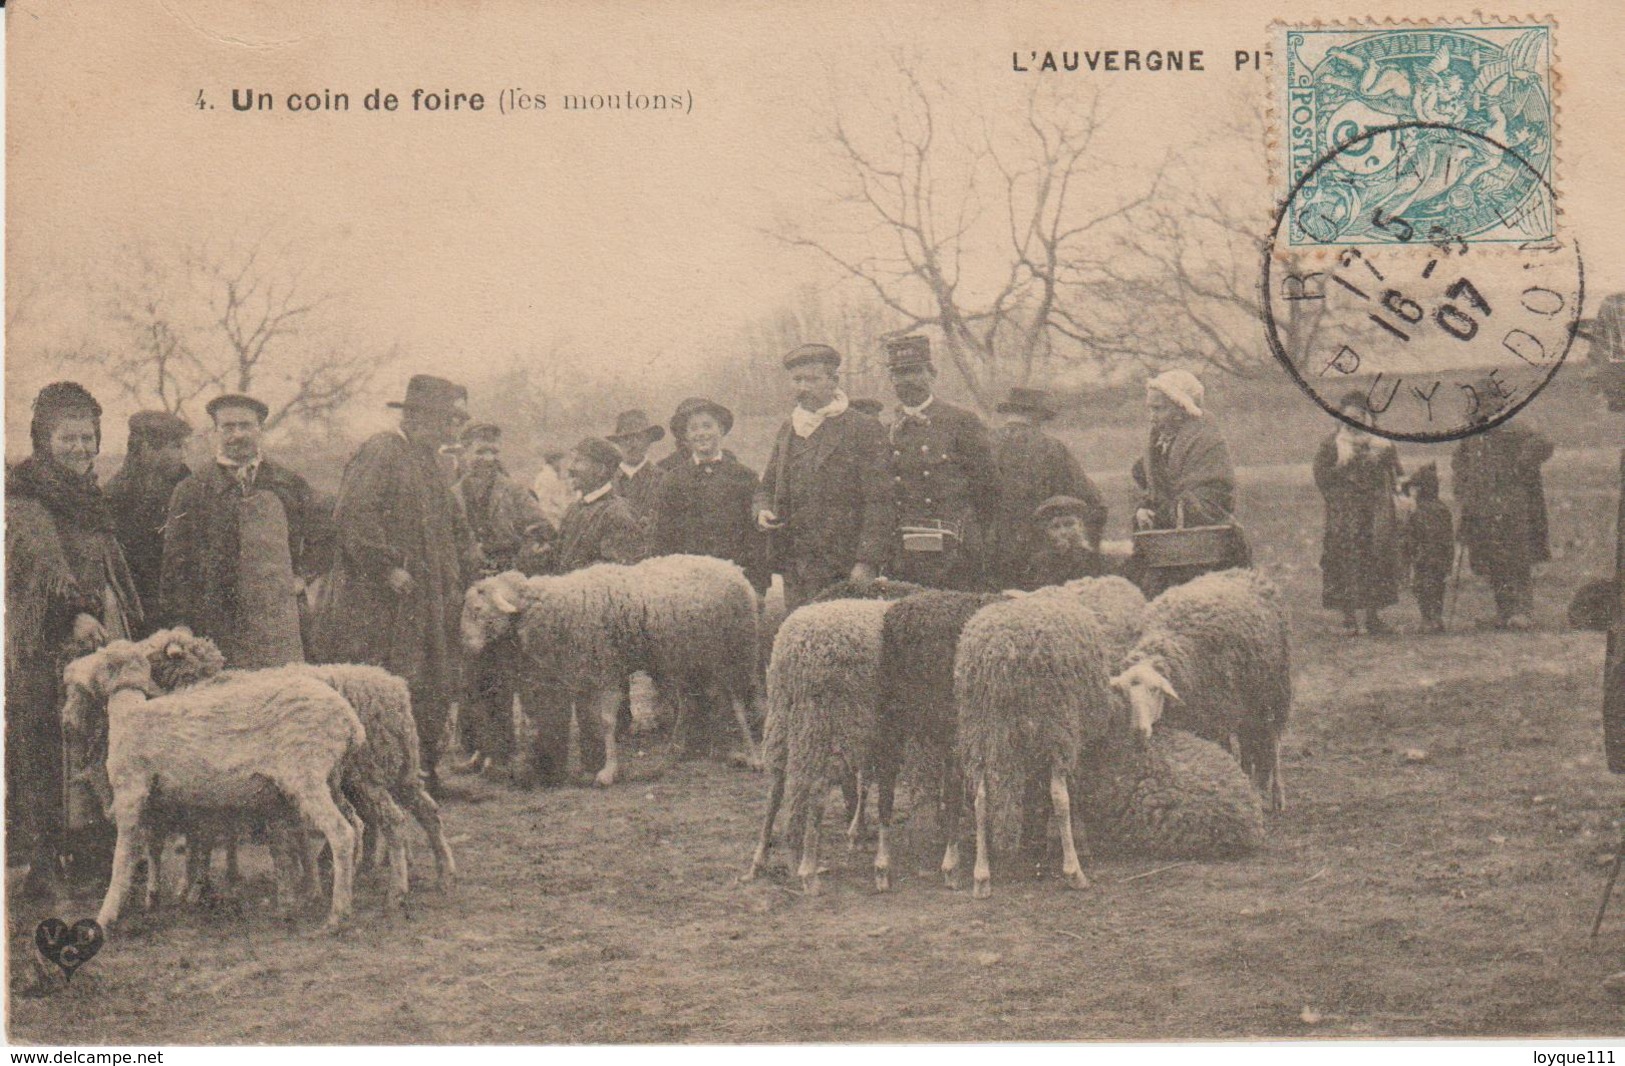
x=1213, y=658
x=1031, y=685
x=822, y=696
x=246, y=743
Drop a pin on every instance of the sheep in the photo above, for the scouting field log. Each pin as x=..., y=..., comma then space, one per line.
x=1120, y=604
x=687, y=620
x=1176, y=797
x=881, y=588
x=919, y=635
x=380, y=778
x=1217, y=648
x=234, y=743
x=1031, y=686
x=822, y=694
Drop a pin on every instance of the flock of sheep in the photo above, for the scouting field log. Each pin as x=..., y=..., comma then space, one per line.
x=1081, y=701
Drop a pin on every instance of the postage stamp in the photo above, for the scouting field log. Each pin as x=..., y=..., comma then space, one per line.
x=1393, y=133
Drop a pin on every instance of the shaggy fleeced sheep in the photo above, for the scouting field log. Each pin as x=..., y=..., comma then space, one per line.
x=1031, y=684
x=919, y=636
x=243, y=743
x=381, y=777
x=1175, y=797
x=822, y=695
x=1213, y=658
x=1120, y=604
x=688, y=620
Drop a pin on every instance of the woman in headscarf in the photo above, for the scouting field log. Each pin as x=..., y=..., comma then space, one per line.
x=68, y=591
x=1360, y=551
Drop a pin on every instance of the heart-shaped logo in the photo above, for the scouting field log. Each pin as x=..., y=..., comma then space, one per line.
x=70, y=947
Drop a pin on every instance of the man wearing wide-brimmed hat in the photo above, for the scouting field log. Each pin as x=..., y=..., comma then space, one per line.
x=138, y=496
x=637, y=479
x=825, y=499
x=405, y=555
x=943, y=477
x=244, y=535
x=1033, y=467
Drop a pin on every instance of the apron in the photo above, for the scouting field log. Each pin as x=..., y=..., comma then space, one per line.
x=267, y=630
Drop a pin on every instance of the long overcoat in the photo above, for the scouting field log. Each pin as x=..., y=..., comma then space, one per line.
x=705, y=509
x=138, y=496
x=1498, y=488
x=833, y=491
x=1360, y=556
x=1033, y=466
x=395, y=509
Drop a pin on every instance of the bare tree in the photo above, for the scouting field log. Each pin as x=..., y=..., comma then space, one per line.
x=926, y=199
x=239, y=320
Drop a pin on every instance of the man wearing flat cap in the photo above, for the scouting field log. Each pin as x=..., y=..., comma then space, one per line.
x=1069, y=550
x=825, y=499
x=244, y=535
x=138, y=495
x=637, y=478
x=405, y=555
x=945, y=484
x=1033, y=467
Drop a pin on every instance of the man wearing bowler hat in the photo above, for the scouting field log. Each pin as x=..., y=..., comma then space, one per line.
x=945, y=484
x=637, y=479
x=244, y=534
x=1033, y=467
x=405, y=555
x=825, y=500
x=138, y=495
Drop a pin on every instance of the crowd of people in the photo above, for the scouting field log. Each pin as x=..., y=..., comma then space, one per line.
x=245, y=552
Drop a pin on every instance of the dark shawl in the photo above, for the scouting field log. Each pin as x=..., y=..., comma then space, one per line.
x=1360, y=549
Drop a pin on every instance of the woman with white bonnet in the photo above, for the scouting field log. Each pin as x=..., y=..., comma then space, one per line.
x=1185, y=476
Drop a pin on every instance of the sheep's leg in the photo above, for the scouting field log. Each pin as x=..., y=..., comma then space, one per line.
x=392, y=829
x=886, y=787
x=775, y=797
x=808, y=872
x=753, y=754
x=982, y=878
x=855, y=790
x=948, y=811
x=1277, y=785
x=287, y=840
x=1071, y=869
x=234, y=876
x=154, y=850
x=127, y=816
x=606, y=704
x=199, y=854
x=316, y=804
x=427, y=814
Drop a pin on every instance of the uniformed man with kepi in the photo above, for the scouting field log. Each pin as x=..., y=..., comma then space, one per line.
x=943, y=477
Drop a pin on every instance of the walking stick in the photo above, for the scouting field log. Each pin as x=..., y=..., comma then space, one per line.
x=1608, y=890
x=1455, y=585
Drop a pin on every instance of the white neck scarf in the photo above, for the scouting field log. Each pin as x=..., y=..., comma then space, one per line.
x=806, y=422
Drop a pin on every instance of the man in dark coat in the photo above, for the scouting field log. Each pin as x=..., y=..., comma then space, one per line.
x=1358, y=475
x=637, y=478
x=703, y=505
x=600, y=526
x=1185, y=476
x=244, y=535
x=138, y=496
x=825, y=498
x=1070, y=551
x=1496, y=474
x=405, y=556
x=1034, y=467
x=946, y=485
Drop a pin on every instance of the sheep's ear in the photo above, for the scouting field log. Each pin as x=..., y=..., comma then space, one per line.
x=1168, y=688
x=183, y=631
x=174, y=650
x=1120, y=682
x=502, y=603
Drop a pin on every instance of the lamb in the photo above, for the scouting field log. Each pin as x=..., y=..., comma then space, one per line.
x=1217, y=649
x=688, y=620
x=379, y=778
x=1031, y=684
x=1176, y=797
x=919, y=636
x=237, y=743
x=822, y=694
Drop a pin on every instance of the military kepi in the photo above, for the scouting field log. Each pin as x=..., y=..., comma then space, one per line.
x=912, y=350
x=811, y=353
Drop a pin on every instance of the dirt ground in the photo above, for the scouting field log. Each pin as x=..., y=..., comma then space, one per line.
x=1435, y=875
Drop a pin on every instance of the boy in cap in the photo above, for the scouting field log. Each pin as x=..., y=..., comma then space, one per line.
x=825, y=498
x=1070, y=550
x=944, y=481
x=1430, y=544
x=138, y=495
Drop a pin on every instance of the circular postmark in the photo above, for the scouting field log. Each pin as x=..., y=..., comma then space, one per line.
x=1392, y=296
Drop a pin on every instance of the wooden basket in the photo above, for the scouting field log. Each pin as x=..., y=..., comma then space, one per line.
x=1192, y=546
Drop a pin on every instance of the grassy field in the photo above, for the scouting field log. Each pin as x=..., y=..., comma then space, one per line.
x=1434, y=876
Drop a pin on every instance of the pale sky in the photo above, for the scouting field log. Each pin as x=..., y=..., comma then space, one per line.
x=473, y=236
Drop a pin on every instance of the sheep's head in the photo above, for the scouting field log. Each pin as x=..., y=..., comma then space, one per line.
x=1148, y=691
x=491, y=609
x=178, y=658
x=91, y=680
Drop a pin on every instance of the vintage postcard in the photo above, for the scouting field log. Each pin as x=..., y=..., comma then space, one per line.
x=731, y=523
